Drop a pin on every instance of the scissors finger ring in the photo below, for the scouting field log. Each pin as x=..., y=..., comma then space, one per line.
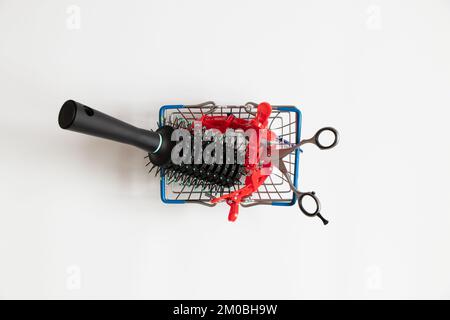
x=317, y=138
x=316, y=212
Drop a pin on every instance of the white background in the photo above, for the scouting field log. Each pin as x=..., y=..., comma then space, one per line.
x=80, y=218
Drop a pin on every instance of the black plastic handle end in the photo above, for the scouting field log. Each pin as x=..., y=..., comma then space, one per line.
x=67, y=114
x=78, y=117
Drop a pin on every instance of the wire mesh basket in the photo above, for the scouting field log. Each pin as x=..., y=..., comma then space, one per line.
x=284, y=121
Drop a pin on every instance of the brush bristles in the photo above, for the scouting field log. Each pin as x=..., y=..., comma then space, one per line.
x=210, y=178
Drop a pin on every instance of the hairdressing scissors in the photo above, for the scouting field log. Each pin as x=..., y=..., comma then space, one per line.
x=277, y=161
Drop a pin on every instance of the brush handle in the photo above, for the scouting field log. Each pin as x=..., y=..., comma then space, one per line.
x=80, y=118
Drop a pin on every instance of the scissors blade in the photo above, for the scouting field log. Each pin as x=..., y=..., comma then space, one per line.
x=279, y=154
x=281, y=166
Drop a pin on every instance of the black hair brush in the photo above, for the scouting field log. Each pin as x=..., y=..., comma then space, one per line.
x=213, y=178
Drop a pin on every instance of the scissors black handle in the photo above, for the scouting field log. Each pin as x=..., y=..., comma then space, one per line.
x=316, y=212
x=281, y=166
x=316, y=138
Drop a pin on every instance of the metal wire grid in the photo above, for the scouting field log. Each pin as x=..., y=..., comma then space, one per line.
x=275, y=189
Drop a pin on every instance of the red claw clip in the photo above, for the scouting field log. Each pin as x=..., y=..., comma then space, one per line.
x=234, y=210
x=258, y=173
